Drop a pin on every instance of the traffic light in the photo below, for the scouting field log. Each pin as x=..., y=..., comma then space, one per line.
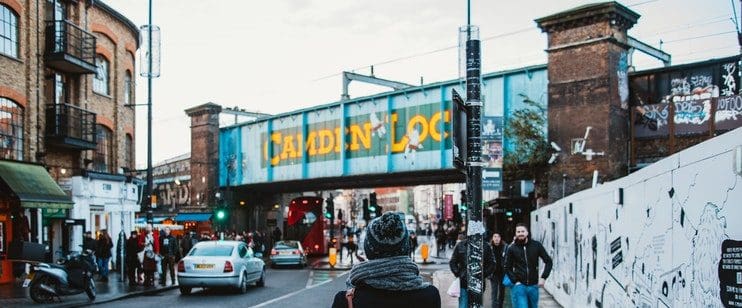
x=220, y=214
x=366, y=210
x=373, y=205
x=330, y=208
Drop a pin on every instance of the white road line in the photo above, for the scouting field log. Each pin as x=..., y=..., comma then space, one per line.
x=263, y=304
x=310, y=280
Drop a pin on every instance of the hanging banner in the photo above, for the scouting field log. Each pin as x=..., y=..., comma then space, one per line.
x=448, y=207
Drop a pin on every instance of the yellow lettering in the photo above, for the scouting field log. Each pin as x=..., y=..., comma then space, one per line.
x=288, y=147
x=397, y=146
x=326, y=141
x=418, y=119
x=337, y=139
x=299, y=145
x=276, y=138
x=311, y=147
x=434, y=133
x=363, y=135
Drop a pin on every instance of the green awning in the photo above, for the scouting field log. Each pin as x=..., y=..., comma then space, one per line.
x=33, y=186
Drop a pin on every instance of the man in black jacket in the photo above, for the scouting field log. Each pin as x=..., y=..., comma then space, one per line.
x=458, y=264
x=498, y=290
x=170, y=253
x=521, y=265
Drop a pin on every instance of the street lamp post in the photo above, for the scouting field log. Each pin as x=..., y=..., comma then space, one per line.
x=474, y=225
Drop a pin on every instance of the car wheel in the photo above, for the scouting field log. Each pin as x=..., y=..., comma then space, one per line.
x=185, y=290
x=261, y=282
x=243, y=284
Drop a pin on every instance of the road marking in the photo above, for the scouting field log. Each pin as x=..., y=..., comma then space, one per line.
x=310, y=280
x=263, y=304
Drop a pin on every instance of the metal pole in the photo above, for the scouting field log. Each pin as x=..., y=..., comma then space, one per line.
x=149, y=117
x=474, y=226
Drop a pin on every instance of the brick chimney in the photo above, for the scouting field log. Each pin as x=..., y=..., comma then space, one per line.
x=588, y=87
x=204, y=156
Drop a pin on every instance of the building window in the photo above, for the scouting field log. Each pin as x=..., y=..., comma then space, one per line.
x=127, y=89
x=129, y=152
x=8, y=32
x=11, y=130
x=103, y=159
x=100, y=80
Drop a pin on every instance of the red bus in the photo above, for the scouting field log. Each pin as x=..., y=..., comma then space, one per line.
x=306, y=224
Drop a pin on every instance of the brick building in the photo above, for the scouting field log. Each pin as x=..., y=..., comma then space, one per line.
x=66, y=110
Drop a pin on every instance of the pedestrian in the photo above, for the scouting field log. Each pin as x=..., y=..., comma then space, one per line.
x=413, y=245
x=170, y=253
x=389, y=278
x=498, y=290
x=103, y=252
x=521, y=266
x=276, y=235
x=88, y=242
x=459, y=262
x=440, y=239
x=151, y=248
x=133, y=266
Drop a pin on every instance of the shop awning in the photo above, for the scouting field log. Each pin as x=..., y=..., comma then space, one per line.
x=33, y=186
x=193, y=217
x=142, y=220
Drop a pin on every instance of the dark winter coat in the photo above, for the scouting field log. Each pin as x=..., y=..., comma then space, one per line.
x=499, y=252
x=132, y=248
x=521, y=262
x=367, y=297
x=458, y=262
x=169, y=246
x=103, y=247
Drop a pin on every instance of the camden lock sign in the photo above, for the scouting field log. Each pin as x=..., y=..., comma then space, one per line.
x=404, y=130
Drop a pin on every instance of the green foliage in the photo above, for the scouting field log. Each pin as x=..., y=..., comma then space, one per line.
x=530, y=154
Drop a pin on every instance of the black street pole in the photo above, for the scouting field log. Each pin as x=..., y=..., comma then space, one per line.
x=474, y=225
x=149, y=116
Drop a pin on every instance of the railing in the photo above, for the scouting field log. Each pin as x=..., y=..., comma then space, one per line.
x=64, y=37
x=70, y=126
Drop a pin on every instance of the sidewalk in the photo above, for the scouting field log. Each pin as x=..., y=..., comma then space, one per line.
x=13, y=295
x=442, y=279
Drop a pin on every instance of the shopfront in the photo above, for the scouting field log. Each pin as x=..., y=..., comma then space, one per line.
x=28, y=197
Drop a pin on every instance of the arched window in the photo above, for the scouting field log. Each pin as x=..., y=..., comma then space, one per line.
x=11, y=129
x=103, y=158
x=100, y=80
x=128, y=152
x=127, y=88
x=8, y=32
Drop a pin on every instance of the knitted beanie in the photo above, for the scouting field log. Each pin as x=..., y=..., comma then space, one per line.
x=387, y=236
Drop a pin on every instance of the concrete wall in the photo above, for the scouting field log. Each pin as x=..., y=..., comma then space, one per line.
x=670, y=241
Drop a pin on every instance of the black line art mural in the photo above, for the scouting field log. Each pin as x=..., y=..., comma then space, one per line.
x=675, y=241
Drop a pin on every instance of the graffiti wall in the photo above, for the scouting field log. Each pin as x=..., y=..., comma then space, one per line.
x=664, y=236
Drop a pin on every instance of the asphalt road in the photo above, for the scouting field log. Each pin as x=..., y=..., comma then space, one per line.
x=289, y=287
x=315, y=288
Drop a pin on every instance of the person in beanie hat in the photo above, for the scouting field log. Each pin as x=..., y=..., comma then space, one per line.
x=388, y=278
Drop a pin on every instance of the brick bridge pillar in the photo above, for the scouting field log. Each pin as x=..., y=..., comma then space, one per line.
x=204, y=156
x=588, y=87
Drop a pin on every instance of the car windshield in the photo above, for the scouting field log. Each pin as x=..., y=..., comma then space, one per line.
x=212, y=251
x=287, y=245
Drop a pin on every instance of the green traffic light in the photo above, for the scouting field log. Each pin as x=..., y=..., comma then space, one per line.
x=508, y=213
x=328, y=215
x=220, y=214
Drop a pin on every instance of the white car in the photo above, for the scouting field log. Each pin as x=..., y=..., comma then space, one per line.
x=220, y=264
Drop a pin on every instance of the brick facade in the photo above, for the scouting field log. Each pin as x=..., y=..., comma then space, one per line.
x=28, y=82
x=587, y=50
x=204, y=156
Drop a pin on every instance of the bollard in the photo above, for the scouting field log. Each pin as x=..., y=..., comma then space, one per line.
x=425, y=252
x=333, y=257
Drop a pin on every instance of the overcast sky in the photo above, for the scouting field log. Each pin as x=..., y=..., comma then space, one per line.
x=281, y=55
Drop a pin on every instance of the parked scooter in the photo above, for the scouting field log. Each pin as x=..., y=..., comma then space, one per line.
x=72, y=275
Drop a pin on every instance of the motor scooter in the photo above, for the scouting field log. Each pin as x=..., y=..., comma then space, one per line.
x=71, y=275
